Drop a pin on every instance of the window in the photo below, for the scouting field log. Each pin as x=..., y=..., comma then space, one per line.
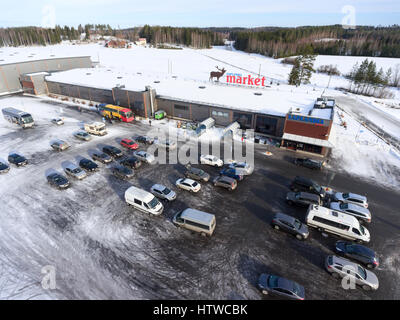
x=138, y=202
x=356, y=231
x=243, y=119
x=180, y=107
x=331, y=223
x=198, y=225
x=220, y=114
x=267, y=125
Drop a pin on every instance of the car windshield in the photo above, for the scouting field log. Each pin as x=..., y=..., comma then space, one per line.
x=166, y=191
x=129, y=142
x=317, y=187
x=362, y=272
x=345, y=195
x=59, y=179
x=194, y=184
x=296, y=289
x=297, y=224
x=76, y=170
x=273, y=281
x=362, y=229
x=27, y=118
x=153, y=203
x=344, y=206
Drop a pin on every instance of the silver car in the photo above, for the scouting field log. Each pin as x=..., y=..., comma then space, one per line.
x=144, y=156
x=57, y=121
x=359, y=212
x=76, y=172
x=163, y=192
x=339, y=268
x=82, y=135
x=59, y=145
x=353, y=198
x=242, y=167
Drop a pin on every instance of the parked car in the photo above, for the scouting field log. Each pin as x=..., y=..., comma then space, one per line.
x=144, y=156
x=303, y=198
x=129, y=144
x=112, y=151
x=131, y=162
x=144, y=139
x=225, y=182
x=4, y=167
x=309, y=163
x=59, y=145
x=307, y=185
x=102, y=157
x=359, y=212
x=57, y=121
x=57, y=180
x=82, y=135
x=242, y=167
x=75, y=171
x=88, y=165
x=162, y=192
x=188, y=184
x=353, y=198
x=17, y=159
x=122, y=172
x=291, y=225
x=232, y=173
x=339, y=268
x=196, y=174
x=358, y=252
x=167, y=144
x=211, y=160
x=280, y=287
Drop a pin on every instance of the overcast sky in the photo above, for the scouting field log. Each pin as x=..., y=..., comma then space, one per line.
x=201, y=13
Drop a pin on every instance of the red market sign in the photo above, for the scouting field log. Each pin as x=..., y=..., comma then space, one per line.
x=245, y=80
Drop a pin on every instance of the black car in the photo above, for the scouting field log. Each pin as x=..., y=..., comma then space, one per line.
x=309, y=163
x=144, y=139
x=196, y=174
x=357, y=252
x=303, y=199
x=17, y=159
x=4, y=168
x=102, y=157
x=88, y=165
x=112, y=151
x=122, y=172
x=280, y=287
x=57, y=180
x=307, y=185
x=131, y=162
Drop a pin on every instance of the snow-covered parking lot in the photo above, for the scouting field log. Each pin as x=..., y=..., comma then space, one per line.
x=101, y=248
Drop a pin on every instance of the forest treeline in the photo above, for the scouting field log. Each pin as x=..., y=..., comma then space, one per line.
x=269, y=41
x=325, y=40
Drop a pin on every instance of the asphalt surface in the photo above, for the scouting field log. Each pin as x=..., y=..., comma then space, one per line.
x=104, y=249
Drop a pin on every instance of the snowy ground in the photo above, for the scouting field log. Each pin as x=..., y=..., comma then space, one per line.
x=104, y=250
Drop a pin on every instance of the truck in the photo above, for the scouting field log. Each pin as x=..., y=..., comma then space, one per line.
x=96, y=128
x=19, y=117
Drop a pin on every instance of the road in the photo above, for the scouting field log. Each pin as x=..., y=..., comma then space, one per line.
x=103, y=249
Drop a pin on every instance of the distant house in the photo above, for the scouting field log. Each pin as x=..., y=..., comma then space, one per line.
x=117, y=43
x=141, y=42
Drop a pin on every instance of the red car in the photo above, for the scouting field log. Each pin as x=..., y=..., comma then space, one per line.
x=130, y=144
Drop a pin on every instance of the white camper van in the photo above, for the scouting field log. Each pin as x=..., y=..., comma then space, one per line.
x=341, y=224
x=143, y=201
x=96, y=128
x=195, y=220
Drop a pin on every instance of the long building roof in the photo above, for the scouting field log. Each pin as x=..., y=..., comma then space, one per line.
x=277, y=100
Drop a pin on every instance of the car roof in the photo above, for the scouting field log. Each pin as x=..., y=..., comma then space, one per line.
x=286, y=217
x=188, y=180
x=226, y=178
x=197, y=215
x=158, y=186
x=71, y=166
x=357, y=208
x=363, y=249
x=343, y=261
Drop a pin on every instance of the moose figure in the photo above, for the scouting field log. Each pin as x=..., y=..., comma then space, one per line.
x=217, y=74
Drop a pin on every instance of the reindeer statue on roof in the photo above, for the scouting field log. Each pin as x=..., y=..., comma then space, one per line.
x=217, y=74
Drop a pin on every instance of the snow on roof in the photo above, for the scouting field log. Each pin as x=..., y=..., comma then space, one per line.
x=322, y=113
x=23, y=55
x=274, y=101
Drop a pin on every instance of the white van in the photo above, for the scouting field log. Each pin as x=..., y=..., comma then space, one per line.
x=196, y=220
x=143, y=201
x=96, y=128
x=341, y=224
